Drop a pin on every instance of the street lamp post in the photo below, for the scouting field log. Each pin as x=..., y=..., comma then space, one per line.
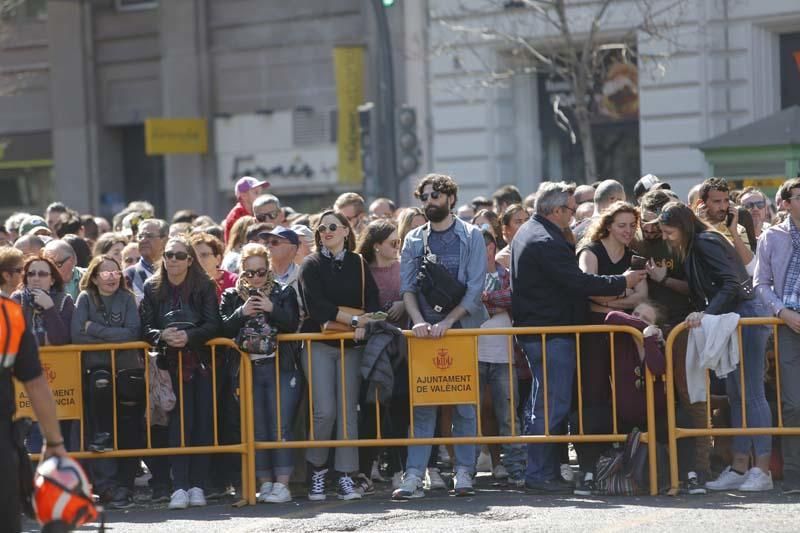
x=386, y=168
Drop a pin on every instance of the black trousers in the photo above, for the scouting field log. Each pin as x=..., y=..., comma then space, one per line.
x=10, y=508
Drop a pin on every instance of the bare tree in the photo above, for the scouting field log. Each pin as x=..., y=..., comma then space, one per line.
x=566, y=38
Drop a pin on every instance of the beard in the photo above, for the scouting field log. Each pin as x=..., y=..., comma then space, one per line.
x=436, y=213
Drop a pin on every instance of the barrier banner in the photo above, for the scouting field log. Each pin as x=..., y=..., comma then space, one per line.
x=63, y=373
x=443, y=371
x=348, y=64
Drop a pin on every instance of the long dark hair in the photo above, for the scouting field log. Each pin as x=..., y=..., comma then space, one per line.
x=196, y=277
x=375, y=233
x=349, y=241
x=679, y=216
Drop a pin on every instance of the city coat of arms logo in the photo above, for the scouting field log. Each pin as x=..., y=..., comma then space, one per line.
x=443, y=359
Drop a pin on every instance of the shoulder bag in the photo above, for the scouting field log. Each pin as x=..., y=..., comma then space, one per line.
x=441, y=290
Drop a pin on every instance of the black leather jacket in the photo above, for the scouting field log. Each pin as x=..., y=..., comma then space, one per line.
x=715, y=274
x=200, y=309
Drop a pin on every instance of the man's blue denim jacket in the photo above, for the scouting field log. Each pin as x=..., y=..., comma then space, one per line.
x=471, y=269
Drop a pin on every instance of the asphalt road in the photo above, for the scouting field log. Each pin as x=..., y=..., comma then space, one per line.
x=492, y=508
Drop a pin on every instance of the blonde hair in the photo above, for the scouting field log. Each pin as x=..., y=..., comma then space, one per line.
x=249, y=250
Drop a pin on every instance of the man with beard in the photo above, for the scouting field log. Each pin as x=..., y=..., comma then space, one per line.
x=152, y=236
x=714, y=207
x=458, y=247
x=667, y=285
x=548, y=289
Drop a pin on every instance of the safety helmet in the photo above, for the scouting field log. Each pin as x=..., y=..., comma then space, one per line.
x=62, y=492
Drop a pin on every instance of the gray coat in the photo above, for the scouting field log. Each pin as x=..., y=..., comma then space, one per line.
x=117, y=323
x=385, y=350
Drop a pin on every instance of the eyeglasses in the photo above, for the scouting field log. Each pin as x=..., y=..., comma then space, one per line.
x=249, y=274
x=107, y=275
x=272, y=215
x=796, y=197
x=757, y=204
x=59, y=264
x=38, y=274
x=131, y=260
x=178, y=256
x=570, y=209
x=145, y=236
x=434, y=195
x=276, y=242
x=330, y=227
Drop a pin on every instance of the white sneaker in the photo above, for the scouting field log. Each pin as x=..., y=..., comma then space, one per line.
x=756, y=480
x=265, y=491
x=196, y=497
x=397, y=480
x=280, y=494
x=375, y=475
x=727, y=480
x=499, y=472
x=484, y=463
x=409, y=488
x=433, y=480
x=179, y=500
x=462, y=484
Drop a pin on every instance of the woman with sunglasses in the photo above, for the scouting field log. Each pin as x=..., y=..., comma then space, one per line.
x=331, y=279
x=106, y=313
x=253, y=313
x=180, y=314
x=718, y=284
x=210, y=251
x=11, y=261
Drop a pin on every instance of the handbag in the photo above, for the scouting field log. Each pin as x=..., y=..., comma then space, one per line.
x=162, y=396
x=332, y=326
x=441, y=290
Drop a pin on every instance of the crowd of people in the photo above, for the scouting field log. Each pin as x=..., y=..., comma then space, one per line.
x=564, y=255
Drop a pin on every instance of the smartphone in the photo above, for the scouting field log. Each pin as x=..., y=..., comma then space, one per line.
x=728, y=219
x=638, y=262
x=253, y=292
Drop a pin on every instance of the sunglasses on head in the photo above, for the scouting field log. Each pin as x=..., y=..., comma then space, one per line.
x=249, y=274
x=757, y=204
x=262, y=217
x=107, y=275
x=433, y=195
x=330, y=227
x=38, y=274
x=179, y=256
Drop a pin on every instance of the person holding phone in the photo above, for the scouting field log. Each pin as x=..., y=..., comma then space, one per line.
x=254, y=312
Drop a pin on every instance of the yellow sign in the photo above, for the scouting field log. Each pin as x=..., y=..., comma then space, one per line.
x=63, y=373
x=764, y=181
x=443, y=371
x=349, y=69
x=175, y=136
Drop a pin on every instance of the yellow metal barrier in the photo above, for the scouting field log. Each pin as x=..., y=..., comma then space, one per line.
x=676, y=432
x=315, y=442
x=53, y=362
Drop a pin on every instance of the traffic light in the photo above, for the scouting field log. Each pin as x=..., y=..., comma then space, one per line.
x=407, y=144
x=367, y=122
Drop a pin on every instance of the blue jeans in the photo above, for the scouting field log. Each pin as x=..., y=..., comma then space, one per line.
x=495, y=377
x=754, y=345
x=281, y=461
x=464, y=425
x=543, y=459
x=198, y=430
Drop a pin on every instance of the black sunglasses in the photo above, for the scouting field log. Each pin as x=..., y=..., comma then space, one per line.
x=433, y=195
x=180, y=256
x=330, y=227
x=758, y=204
x=261, y=272
x=262, y=217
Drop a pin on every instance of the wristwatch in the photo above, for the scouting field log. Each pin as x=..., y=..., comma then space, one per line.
x=354, y=322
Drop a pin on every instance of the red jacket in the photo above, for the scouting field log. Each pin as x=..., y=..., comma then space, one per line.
x=236, y=213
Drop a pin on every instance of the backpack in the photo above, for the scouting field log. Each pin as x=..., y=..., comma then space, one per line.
x=624, y=471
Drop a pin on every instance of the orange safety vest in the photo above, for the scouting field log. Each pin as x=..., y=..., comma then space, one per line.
x=12, y=326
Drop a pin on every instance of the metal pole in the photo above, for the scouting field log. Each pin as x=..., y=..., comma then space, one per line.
x=387, y=173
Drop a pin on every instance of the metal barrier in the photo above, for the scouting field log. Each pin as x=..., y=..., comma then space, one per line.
x=55, y=356
x=580, y=436
x=676, y=433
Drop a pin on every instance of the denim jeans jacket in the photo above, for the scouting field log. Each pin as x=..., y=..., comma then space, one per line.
x=471, y=269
